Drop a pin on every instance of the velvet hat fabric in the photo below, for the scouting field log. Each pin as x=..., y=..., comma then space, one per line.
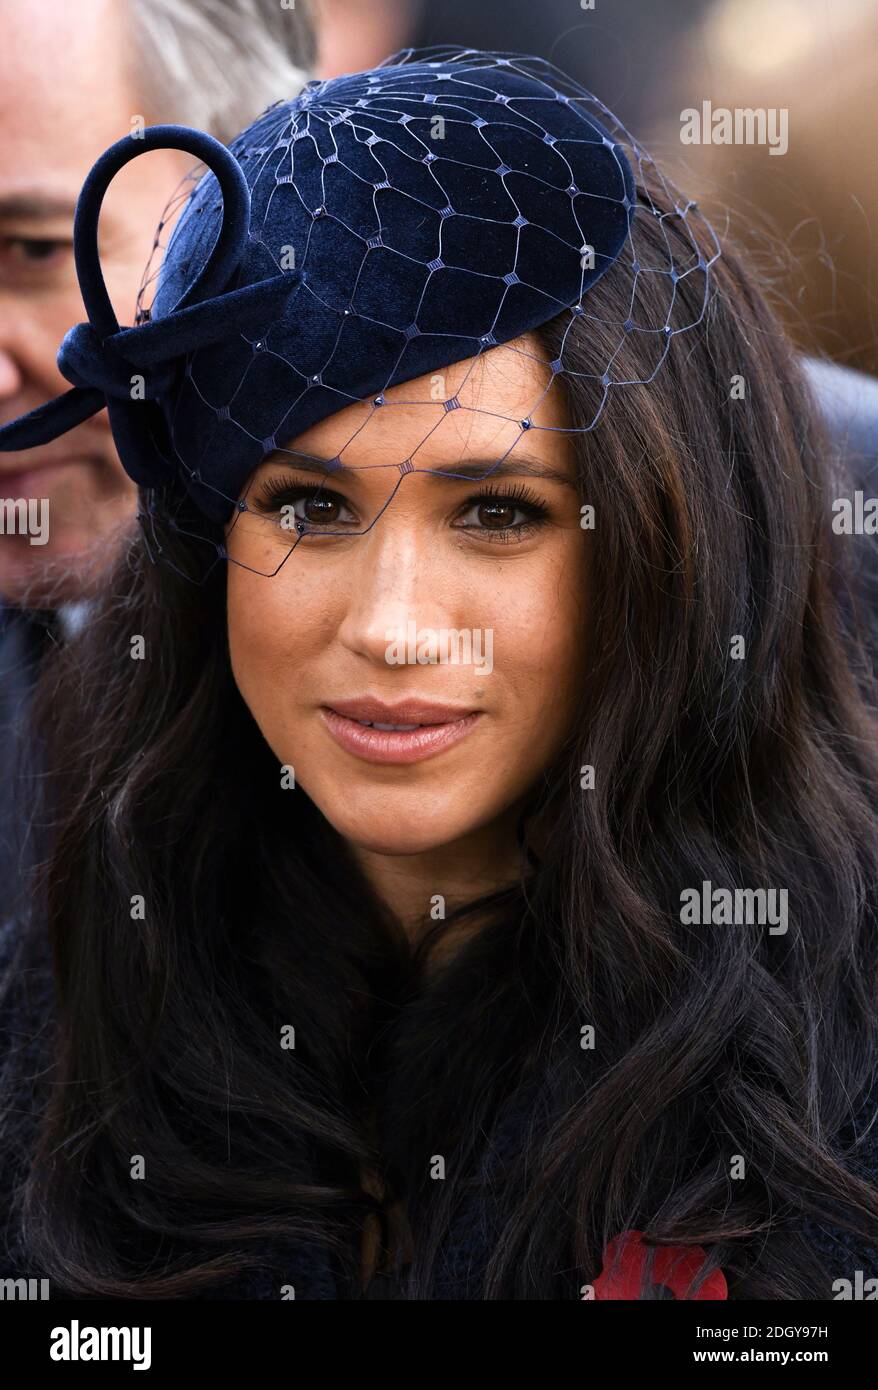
x=377, y=227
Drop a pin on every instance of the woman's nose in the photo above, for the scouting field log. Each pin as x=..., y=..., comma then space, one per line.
x=399, y=575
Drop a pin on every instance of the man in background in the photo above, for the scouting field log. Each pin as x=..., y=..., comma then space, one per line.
x=73, y=80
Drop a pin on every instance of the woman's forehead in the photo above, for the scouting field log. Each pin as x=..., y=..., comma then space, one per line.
x=473, y=408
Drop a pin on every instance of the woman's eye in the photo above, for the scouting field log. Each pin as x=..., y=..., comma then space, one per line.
x=313, y=507
x=325, y=509
x=495, y=515
x=503, y=518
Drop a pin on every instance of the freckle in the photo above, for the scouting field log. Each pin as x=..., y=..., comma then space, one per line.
x=478, y=695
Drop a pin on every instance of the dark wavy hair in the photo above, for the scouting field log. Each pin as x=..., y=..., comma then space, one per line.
x=713, y=521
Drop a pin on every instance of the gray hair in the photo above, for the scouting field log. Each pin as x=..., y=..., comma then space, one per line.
x=216, y=64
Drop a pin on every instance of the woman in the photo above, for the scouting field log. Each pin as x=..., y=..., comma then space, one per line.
x=475, y=1010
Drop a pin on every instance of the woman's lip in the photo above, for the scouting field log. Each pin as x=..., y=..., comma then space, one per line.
x=380, y=746
x=412, y=710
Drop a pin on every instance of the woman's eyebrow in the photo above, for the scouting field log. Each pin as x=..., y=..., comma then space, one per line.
x=518, y=465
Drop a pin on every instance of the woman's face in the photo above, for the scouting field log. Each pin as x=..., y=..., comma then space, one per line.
x=487, y=578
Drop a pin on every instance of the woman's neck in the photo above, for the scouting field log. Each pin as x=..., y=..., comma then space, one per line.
x=419, y=889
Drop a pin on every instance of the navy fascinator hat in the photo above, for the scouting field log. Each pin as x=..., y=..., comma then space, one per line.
x=377, y=227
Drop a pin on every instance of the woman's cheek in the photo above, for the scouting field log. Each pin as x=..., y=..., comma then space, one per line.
x=263, y=644
x=540, y=627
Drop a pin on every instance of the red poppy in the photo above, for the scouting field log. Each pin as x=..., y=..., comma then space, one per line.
x=674, y=1270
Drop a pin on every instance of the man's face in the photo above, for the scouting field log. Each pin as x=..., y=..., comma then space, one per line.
x=66, y=93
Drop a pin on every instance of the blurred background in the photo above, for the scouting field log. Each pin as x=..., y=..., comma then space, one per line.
x=809, y=216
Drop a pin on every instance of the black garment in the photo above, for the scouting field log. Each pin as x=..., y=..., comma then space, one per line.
x=25, y=638
x=848, y=403
x=26, y=1034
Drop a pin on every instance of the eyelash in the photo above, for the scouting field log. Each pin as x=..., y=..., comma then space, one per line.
x=278, y=492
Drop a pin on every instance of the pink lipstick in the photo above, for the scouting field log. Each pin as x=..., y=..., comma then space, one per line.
x=403, y=733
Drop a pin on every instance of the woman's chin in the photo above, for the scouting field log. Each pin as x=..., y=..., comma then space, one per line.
x=397, y=833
